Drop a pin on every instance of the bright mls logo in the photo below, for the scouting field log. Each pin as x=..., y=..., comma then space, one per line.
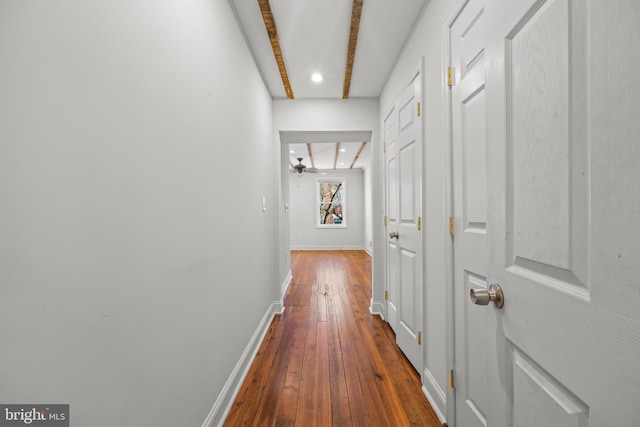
x=34, y=415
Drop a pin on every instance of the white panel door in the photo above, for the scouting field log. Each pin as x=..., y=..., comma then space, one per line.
x=404, y=209
x=392, y=200
x=474, y=325
x=562, y=102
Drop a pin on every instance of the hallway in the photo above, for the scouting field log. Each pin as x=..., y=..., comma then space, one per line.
x=327, y=360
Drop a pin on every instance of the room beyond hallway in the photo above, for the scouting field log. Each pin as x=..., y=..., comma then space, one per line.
x=326, y=360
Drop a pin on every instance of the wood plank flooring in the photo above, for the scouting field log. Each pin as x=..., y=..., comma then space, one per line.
x=327, y=361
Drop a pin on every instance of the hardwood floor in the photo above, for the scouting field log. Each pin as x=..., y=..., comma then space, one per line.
x=327, y=361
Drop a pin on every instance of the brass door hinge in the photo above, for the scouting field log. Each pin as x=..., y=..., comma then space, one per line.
x=449, y=76
x=386, y=295
x=384, y=147
x=452, y=225
x=386, y=220
x=450, y=380
x=418, y=109
x=419, y=223
x=419, y=337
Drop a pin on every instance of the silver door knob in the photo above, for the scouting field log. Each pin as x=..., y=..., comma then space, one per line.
x=393, y=234
x=492, y=295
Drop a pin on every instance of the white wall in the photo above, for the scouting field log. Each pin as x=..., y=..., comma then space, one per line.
x=303, y=203
x=368, y=213
x=330, y=115
x=125, y=225
x=427, y=41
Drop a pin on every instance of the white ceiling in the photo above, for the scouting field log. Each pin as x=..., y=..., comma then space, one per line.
x=314, y=37
x=323, y=146
x=324, y=155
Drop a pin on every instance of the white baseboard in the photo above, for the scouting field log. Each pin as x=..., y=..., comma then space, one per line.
x=377, y=309
x=225, y=399
x=278, y=306
x=435, y=395
x=327, y=248
x=285, y=284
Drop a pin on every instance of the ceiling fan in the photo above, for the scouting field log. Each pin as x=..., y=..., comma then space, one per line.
x=300, y=168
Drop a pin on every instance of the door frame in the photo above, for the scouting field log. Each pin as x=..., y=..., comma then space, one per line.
x=448, y=194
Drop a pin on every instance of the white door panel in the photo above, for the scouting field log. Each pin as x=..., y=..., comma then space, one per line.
x=408, y=208
x=554, y=320
x=614, y=155
x=409, y=240
x=562, y=212
x=540, y=400
x=392, y=210
x=472, y=323
x=409, y=319
x=403, y=160
x=394, y=274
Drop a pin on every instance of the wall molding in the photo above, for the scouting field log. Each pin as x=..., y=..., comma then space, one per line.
x=377, y=308
x=225, y=399
x=435, y=395
x=278, y=306
x=328, y=248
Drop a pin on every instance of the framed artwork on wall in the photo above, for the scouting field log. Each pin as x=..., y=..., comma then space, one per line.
x=331, y=210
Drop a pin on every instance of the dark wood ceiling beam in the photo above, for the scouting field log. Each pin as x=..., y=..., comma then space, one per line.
x=358, y=154
x=356, y=11
x=310, y=155
x=272, y=31
x=335, y=160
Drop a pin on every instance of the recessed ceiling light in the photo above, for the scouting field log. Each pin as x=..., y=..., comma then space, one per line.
x=292, y=151
x=317, y=77
x=343, y=150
